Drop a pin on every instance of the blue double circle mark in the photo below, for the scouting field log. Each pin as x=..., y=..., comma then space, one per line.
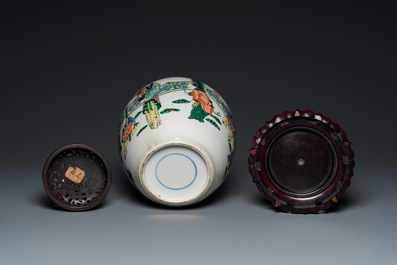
x=176, y=154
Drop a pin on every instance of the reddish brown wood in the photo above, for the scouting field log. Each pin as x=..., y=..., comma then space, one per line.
x=77, y=177
x=301, y=161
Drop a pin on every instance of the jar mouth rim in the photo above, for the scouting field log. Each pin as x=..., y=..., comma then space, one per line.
x=199, y=189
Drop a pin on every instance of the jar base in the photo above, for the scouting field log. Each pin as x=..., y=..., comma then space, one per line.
x=176, y=174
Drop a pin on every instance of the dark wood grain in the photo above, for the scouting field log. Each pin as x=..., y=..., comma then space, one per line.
x=77, y=177
x=301, y=161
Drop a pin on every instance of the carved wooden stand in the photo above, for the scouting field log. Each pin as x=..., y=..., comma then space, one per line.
x=301, y=161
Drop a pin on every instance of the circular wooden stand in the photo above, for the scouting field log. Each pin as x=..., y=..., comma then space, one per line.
x=301, y=161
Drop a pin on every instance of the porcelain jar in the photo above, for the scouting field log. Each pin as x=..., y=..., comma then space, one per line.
x=177, y=140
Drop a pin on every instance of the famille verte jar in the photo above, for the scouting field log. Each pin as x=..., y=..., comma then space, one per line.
x=177, y=140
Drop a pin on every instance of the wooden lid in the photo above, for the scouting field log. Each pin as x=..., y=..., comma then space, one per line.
x=301, y=161
x=77, y=177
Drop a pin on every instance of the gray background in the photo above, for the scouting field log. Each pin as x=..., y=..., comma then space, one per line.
x=68, y=68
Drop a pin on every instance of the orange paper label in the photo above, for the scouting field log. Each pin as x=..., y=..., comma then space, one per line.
x=75, y=174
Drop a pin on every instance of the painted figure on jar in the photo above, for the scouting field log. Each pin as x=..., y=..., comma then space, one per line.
x=202, y=106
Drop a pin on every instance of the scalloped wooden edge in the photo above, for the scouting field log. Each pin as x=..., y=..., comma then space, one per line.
x=285, y=206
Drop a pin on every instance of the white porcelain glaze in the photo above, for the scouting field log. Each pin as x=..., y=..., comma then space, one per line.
x=177, y=141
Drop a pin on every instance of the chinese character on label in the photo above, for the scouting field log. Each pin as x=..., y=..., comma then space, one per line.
x=75, y=174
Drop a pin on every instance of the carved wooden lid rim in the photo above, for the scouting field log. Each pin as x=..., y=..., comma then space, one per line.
x=330, y=191
x=74, y=175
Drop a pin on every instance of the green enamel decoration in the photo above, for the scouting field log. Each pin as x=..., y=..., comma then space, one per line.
x=217, y=113
x=224, y=175
x=198, y=113
x=181, y=101
x=216, y=119
x=143, y=128
x=168, y=111
x=136, y=116
x=170, y=87
x=199, y=85
x=147, y=107
x=213, y=123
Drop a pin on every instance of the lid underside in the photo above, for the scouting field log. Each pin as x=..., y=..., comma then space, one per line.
x=76, y=177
